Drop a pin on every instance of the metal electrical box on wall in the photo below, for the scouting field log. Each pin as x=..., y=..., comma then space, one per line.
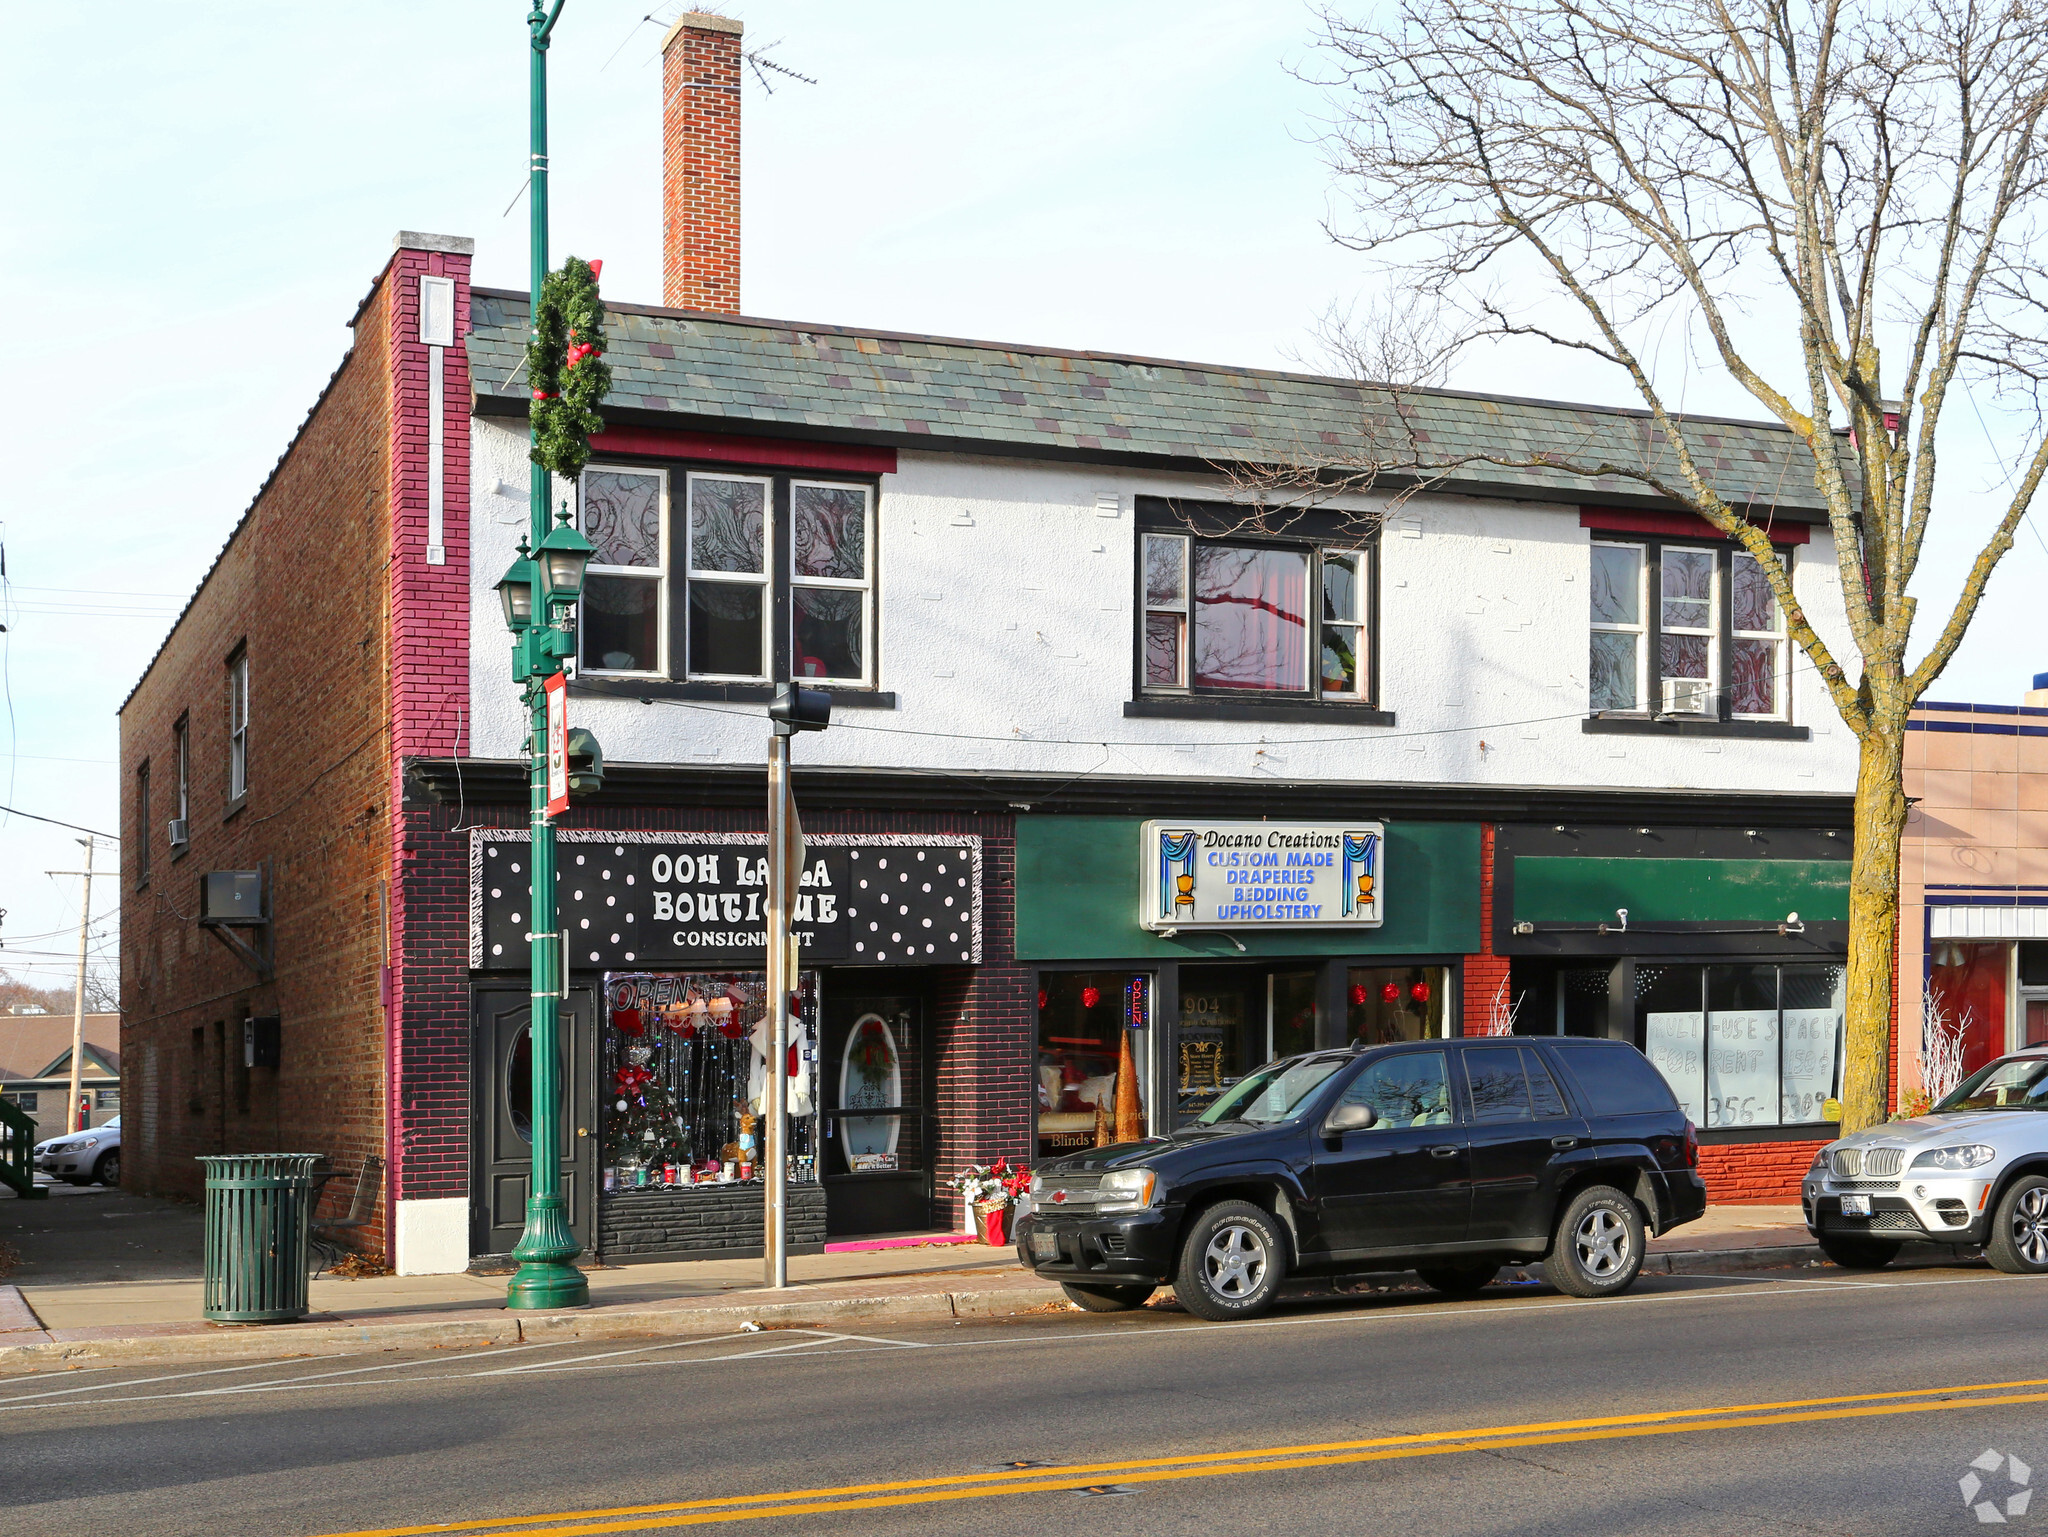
x=262, y=1040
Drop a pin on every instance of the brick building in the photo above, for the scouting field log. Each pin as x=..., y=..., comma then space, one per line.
x=1512, y=705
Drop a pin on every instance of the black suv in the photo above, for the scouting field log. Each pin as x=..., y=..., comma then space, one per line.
x=1451, y=1158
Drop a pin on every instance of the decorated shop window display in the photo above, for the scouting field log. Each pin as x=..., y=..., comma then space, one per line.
x=684, y=1079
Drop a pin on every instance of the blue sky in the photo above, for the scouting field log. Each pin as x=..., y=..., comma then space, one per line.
x=199, y=195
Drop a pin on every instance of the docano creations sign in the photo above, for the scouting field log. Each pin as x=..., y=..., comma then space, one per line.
x=1262, y=875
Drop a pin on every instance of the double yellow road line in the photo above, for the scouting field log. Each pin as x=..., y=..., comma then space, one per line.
x=1270, y=1459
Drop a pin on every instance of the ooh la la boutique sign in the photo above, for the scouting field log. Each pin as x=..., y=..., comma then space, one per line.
x=635, y=900
x=1277, y=875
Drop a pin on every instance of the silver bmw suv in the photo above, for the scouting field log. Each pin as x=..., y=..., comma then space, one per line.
x=1973, y=1170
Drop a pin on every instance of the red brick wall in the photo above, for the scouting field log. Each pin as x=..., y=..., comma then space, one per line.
x=1739, y=1173
x=302, y=584
x=700, y=165
x=1484, y=972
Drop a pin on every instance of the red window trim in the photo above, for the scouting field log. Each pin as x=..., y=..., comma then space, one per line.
x=1682, y=525
x=733, y=448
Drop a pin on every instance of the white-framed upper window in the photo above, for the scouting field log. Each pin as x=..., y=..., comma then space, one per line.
x=726, y=573
x=831, y=574
x=1688, y=642
x=238, y=725
x=622, y=620
x=1615, y=673
x=182, y=740
x=1230, y=615
x=1346, y=673
x=1759, y=662
x=1683, y=629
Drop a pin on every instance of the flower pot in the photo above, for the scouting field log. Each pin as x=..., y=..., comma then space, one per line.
x=990, y=1222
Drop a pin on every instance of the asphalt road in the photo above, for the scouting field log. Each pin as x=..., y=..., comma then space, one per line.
x=1796, y=1402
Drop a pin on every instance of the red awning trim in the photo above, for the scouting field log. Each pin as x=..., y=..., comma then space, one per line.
x=1682, y=525
x=734, y=448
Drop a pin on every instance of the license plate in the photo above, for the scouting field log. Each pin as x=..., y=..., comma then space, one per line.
x=1855, y=1205
x=1045, y=1246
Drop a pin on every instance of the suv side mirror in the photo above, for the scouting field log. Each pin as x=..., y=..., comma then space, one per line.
x=1350, y=1118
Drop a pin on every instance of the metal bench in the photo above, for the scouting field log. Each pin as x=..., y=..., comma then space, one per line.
x=325, y=1240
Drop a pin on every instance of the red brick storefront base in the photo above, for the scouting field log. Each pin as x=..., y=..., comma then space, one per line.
x=1756, y=1173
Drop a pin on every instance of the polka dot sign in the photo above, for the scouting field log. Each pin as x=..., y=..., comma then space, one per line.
x=639, y=899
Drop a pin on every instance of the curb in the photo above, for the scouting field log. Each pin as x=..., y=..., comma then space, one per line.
x=232, y=1343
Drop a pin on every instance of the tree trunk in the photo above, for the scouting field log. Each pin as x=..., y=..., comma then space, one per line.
x=1873, y=923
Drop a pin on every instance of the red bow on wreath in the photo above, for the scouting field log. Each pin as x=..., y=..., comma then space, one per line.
x=630, y=1079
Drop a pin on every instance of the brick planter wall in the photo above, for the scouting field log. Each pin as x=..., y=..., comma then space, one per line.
x=702, y=1222
x=1756, y=1173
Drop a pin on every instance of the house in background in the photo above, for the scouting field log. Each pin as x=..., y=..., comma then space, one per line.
x=1059, y=648
x=35, y=1067
x=1973, y=930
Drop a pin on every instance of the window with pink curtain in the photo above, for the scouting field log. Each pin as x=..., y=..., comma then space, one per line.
x=1251, y=617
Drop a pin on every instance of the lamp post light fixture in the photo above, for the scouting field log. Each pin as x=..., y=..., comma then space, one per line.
x=515, y=591
x=541, y=590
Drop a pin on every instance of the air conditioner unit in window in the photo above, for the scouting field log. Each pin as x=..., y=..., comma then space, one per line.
x=1687, y=696
x=179, y=832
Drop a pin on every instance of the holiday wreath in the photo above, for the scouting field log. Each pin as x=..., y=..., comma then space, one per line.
x=565, y=366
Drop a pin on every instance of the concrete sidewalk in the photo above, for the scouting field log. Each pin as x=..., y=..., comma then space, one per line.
x=59, y=1326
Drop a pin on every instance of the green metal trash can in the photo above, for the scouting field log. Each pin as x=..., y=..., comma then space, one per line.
x=258, y=1209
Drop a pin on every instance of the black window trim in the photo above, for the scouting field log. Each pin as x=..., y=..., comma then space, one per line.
x=676, y=683
x=1190, y=702
x=1654, y=722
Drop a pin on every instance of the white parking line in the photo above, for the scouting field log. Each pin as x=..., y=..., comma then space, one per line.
x=828, y=1343
x=136, y=1382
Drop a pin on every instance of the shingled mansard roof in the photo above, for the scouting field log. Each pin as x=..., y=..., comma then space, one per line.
x=728, y=373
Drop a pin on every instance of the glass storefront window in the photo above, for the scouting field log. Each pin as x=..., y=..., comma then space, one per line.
x=682, y=1079
x=1290, y=1013
x=1395, y=1003
x=1085, y=1041
x=1744, y=1045
x=1222, y=1035
x=1582, y=1000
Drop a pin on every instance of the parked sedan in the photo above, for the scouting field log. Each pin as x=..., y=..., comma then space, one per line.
x=1973, y=1170
x=83, y=1157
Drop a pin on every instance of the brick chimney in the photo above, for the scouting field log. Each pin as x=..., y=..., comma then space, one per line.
x=700, y=163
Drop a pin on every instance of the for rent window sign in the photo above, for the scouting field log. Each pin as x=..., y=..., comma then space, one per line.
x=1264, y=875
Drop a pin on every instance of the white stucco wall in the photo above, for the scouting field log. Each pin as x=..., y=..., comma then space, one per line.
x=1005, y=629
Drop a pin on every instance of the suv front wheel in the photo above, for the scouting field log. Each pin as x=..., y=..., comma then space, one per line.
x=1232, y=1263
x=2018, y=1244
x=1597, y=1250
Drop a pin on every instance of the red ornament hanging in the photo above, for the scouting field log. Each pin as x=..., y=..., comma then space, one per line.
x=1390, y=993
x=1358, y=993
x=1090, y=996
x=1419, y=992
x=628, y=1022
x=1041, y=997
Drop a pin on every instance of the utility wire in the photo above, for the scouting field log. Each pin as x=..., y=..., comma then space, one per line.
x=17, y=812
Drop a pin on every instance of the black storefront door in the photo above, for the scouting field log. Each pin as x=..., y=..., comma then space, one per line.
x=875, y=1096
x=503, y=1075
x=1406, y=1180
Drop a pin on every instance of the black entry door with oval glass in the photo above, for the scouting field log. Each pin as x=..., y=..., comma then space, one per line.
x=875, y=1083
x=503, y=1153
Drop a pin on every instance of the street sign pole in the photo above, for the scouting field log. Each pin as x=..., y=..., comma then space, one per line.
x=775, y=1250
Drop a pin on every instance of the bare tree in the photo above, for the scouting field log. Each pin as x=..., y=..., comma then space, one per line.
x=1844, y=202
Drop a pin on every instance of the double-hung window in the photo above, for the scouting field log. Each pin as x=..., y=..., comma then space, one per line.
x=1688, y=630
x=727, y=578
x=238, y=725
x=830, y=593
x=1228, y=616
x=624, y=608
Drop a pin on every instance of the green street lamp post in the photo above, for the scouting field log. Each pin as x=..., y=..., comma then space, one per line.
x=539, y=593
